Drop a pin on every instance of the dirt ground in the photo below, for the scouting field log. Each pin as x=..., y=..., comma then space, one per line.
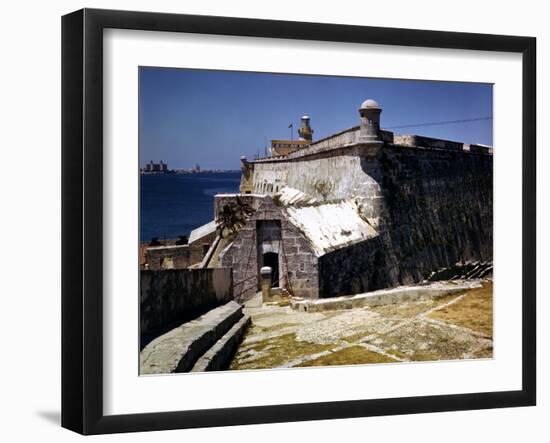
x=452, y=327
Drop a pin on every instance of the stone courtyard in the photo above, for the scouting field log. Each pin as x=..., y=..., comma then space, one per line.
x=450, y=327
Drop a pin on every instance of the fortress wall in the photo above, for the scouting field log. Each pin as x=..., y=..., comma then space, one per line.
x=328, y=176
x=432, y=206
x=177, y=295
x=437, y=210
x=358, y=268
x=344, y=138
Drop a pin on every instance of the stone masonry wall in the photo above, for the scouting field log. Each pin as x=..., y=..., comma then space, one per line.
x=177, y=295
x=297, y=261
x=435, y=209
x=326, y=176
x=439, y=208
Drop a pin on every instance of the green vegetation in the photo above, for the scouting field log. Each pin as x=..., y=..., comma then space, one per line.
x=354, y=355
x=232, y=217
x=282, y=349
x=474, y=311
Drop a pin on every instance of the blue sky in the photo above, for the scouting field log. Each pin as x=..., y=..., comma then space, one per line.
x=213, y=117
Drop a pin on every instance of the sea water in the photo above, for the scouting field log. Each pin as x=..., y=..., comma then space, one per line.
x=174, y=204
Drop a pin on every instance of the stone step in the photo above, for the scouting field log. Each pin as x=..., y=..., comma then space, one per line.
x=218, y=357
x=179, y=349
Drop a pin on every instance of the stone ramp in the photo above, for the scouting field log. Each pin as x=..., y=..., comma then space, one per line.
x=382, y=297
x=217, y=357
x=179, y=349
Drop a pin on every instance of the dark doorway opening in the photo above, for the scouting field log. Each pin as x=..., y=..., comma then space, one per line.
x=271, y=259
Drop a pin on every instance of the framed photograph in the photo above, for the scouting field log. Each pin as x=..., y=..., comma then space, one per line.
x=269, y=221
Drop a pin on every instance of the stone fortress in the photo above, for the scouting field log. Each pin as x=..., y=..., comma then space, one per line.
x=363, y=209
x=357, y=211
x=320, y=221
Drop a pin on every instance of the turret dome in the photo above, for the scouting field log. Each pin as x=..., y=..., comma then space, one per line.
x=370, y=104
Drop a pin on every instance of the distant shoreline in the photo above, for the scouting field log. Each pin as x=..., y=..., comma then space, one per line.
x=189, y=171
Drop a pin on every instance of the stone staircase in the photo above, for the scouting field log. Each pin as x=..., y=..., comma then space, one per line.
x=207, y=343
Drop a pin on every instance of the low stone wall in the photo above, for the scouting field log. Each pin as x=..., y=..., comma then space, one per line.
x=168, y=297
x=167, y=257
x=179, y=349
x=384, y=297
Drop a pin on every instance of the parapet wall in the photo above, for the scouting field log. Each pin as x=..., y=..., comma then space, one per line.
x=330, y=175
x=176, y=295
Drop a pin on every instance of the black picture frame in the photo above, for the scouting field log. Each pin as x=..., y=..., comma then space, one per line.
x=82, y=218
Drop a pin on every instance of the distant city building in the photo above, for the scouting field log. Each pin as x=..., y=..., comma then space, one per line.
x=156, y=167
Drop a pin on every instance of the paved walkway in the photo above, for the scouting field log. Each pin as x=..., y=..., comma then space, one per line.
x=457, y=326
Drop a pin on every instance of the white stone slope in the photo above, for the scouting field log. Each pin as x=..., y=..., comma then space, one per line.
x=328, y=226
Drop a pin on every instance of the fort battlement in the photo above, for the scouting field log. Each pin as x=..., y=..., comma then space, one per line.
x=349, y=138
x=334, y=167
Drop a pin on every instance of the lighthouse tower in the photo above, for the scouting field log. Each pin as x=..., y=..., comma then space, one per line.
x=305, y=132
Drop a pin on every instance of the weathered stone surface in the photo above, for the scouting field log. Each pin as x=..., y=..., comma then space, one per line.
x=218, y=357
x=402, y=294
x=167, y=257
x=424, y=330
x=427, y=201
x=297, y=262
x=431, y=204
x=178, y=295
x=179, y=349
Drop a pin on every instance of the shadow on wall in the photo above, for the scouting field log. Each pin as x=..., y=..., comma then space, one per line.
x=173, y=296
x=434, y=209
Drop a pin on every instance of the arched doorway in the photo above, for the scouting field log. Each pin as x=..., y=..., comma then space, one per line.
x=271, y=259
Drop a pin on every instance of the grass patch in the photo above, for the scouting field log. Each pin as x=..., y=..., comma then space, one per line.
x=278, y=350
x=474, y=311
x=356, y=337
x=354, y=355
x=277, y=327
